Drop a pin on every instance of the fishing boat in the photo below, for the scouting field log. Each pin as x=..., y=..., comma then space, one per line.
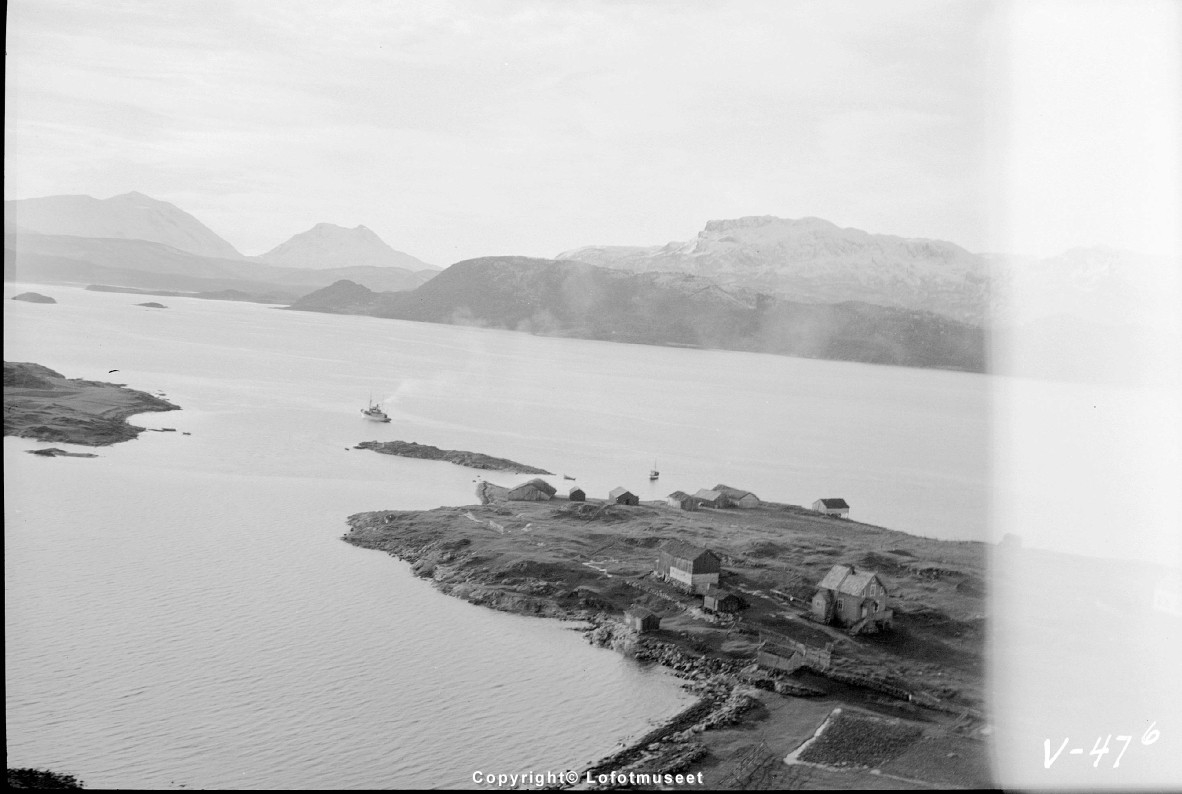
x=653, y=473
x=375, y=412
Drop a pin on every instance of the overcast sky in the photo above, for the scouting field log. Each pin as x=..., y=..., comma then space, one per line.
x=460, y=129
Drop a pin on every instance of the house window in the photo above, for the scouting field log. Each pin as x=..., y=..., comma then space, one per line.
x=839, y=605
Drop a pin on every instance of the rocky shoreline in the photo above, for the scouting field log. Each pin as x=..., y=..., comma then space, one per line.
x=42, y=404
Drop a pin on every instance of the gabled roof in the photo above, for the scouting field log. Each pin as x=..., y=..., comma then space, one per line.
x=678, y=495
x=847, y=579
x=688, y=551
x=618, y=492
x=716, y=591
x=834, y=504
x=733, y=493
x=709, y=496
x=639, y=612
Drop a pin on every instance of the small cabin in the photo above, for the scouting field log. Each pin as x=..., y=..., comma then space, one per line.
x=715, y=599
x=708, y=498
x=832, y=507
x=577, y=495
x=642, y=620
x=853, y=598
x=622, y=496
x=681, y=500
x=688, y=566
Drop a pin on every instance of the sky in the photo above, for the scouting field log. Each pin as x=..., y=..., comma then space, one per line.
x=459, y=128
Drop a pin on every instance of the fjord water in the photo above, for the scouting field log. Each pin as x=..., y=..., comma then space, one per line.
x=181, y=611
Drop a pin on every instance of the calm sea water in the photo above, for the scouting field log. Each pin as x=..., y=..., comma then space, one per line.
x=182, y=611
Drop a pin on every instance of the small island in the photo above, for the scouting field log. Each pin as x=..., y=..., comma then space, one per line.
x=473, y=460
x=152, y=305
x=42, y=404
x=33, y=297
x=897, y=691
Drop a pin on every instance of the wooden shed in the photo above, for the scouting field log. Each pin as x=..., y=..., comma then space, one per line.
x=622, y=496
x=642, y=619
x=832, y=507
x=681, y=500
x=715, y=599
x=687, y=565
x=577, y=495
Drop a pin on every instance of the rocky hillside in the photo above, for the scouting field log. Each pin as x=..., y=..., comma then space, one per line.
x=132, y=216
x=326, y=246
x=813, y=260
x=574, y=299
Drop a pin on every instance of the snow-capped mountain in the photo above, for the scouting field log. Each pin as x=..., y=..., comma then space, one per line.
x=326, y=246
x=813, y=260
x=131, y=216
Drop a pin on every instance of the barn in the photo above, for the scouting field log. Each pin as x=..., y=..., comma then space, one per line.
x=577, y=495
x=622, y=496
x=687, y=565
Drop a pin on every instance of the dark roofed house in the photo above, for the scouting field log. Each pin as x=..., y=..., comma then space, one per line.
x=853, y=598
x=688, y=566
x=622, y=496
x=715, y=599
x=708, y=498
x=577, y=495
x=738, y=497
x=642, y=619
x=682, y=500
x=832, y=507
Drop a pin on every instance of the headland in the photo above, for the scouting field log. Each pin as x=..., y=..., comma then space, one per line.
x=42, y=404
x=901, y=706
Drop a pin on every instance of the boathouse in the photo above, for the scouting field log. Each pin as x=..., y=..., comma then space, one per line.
x=641, y=619
x=577, y=495
x=715, y=599
x=622, y=496
x=681, y=500
x=688, y=566
x=738, y=497
x=853, y=598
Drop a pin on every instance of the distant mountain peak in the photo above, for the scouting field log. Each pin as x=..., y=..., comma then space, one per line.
x=814, y=260
x=328, y=246
x=129, y=216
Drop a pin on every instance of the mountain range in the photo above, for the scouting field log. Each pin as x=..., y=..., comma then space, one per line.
x=752, y=283
x=136, y=241
x=575, y=299
x=815, y=261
